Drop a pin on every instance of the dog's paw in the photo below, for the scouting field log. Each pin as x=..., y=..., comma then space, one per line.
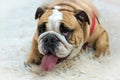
x=102, y=57
x=33, y=64
x=36, y=60
x=102, y=53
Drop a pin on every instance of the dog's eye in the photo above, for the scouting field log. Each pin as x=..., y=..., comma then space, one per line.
x=41, y=28
x=64, y=30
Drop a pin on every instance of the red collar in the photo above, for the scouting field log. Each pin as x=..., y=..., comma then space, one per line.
x=92, y=27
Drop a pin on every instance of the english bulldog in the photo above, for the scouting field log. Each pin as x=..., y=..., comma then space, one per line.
x=64, y=28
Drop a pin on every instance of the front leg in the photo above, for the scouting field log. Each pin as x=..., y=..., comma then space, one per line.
x=102, y=45
x=34, y=57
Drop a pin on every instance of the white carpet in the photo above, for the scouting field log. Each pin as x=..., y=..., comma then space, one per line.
x=17, y=26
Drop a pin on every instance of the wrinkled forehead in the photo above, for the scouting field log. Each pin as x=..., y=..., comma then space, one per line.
x=55, y=17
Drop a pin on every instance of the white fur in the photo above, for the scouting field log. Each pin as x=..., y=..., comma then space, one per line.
x=40, y=47
x=54, y=19
x=62, y=51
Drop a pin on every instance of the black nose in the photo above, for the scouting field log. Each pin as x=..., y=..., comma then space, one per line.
x=50, y=39
x=50, y=42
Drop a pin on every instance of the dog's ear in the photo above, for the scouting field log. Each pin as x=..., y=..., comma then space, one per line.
x=39, y=12
x=82, y=16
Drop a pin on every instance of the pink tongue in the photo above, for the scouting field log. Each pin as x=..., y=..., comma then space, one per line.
x=48, y=62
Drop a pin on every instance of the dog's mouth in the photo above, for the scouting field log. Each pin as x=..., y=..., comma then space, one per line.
x=49, y=61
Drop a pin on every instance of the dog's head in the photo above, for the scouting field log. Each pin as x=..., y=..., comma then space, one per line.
x=61, y=33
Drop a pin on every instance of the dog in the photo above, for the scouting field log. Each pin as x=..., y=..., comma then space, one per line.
x=64, y=28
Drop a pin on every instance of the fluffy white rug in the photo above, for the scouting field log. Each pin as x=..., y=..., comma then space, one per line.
x=17, y=26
